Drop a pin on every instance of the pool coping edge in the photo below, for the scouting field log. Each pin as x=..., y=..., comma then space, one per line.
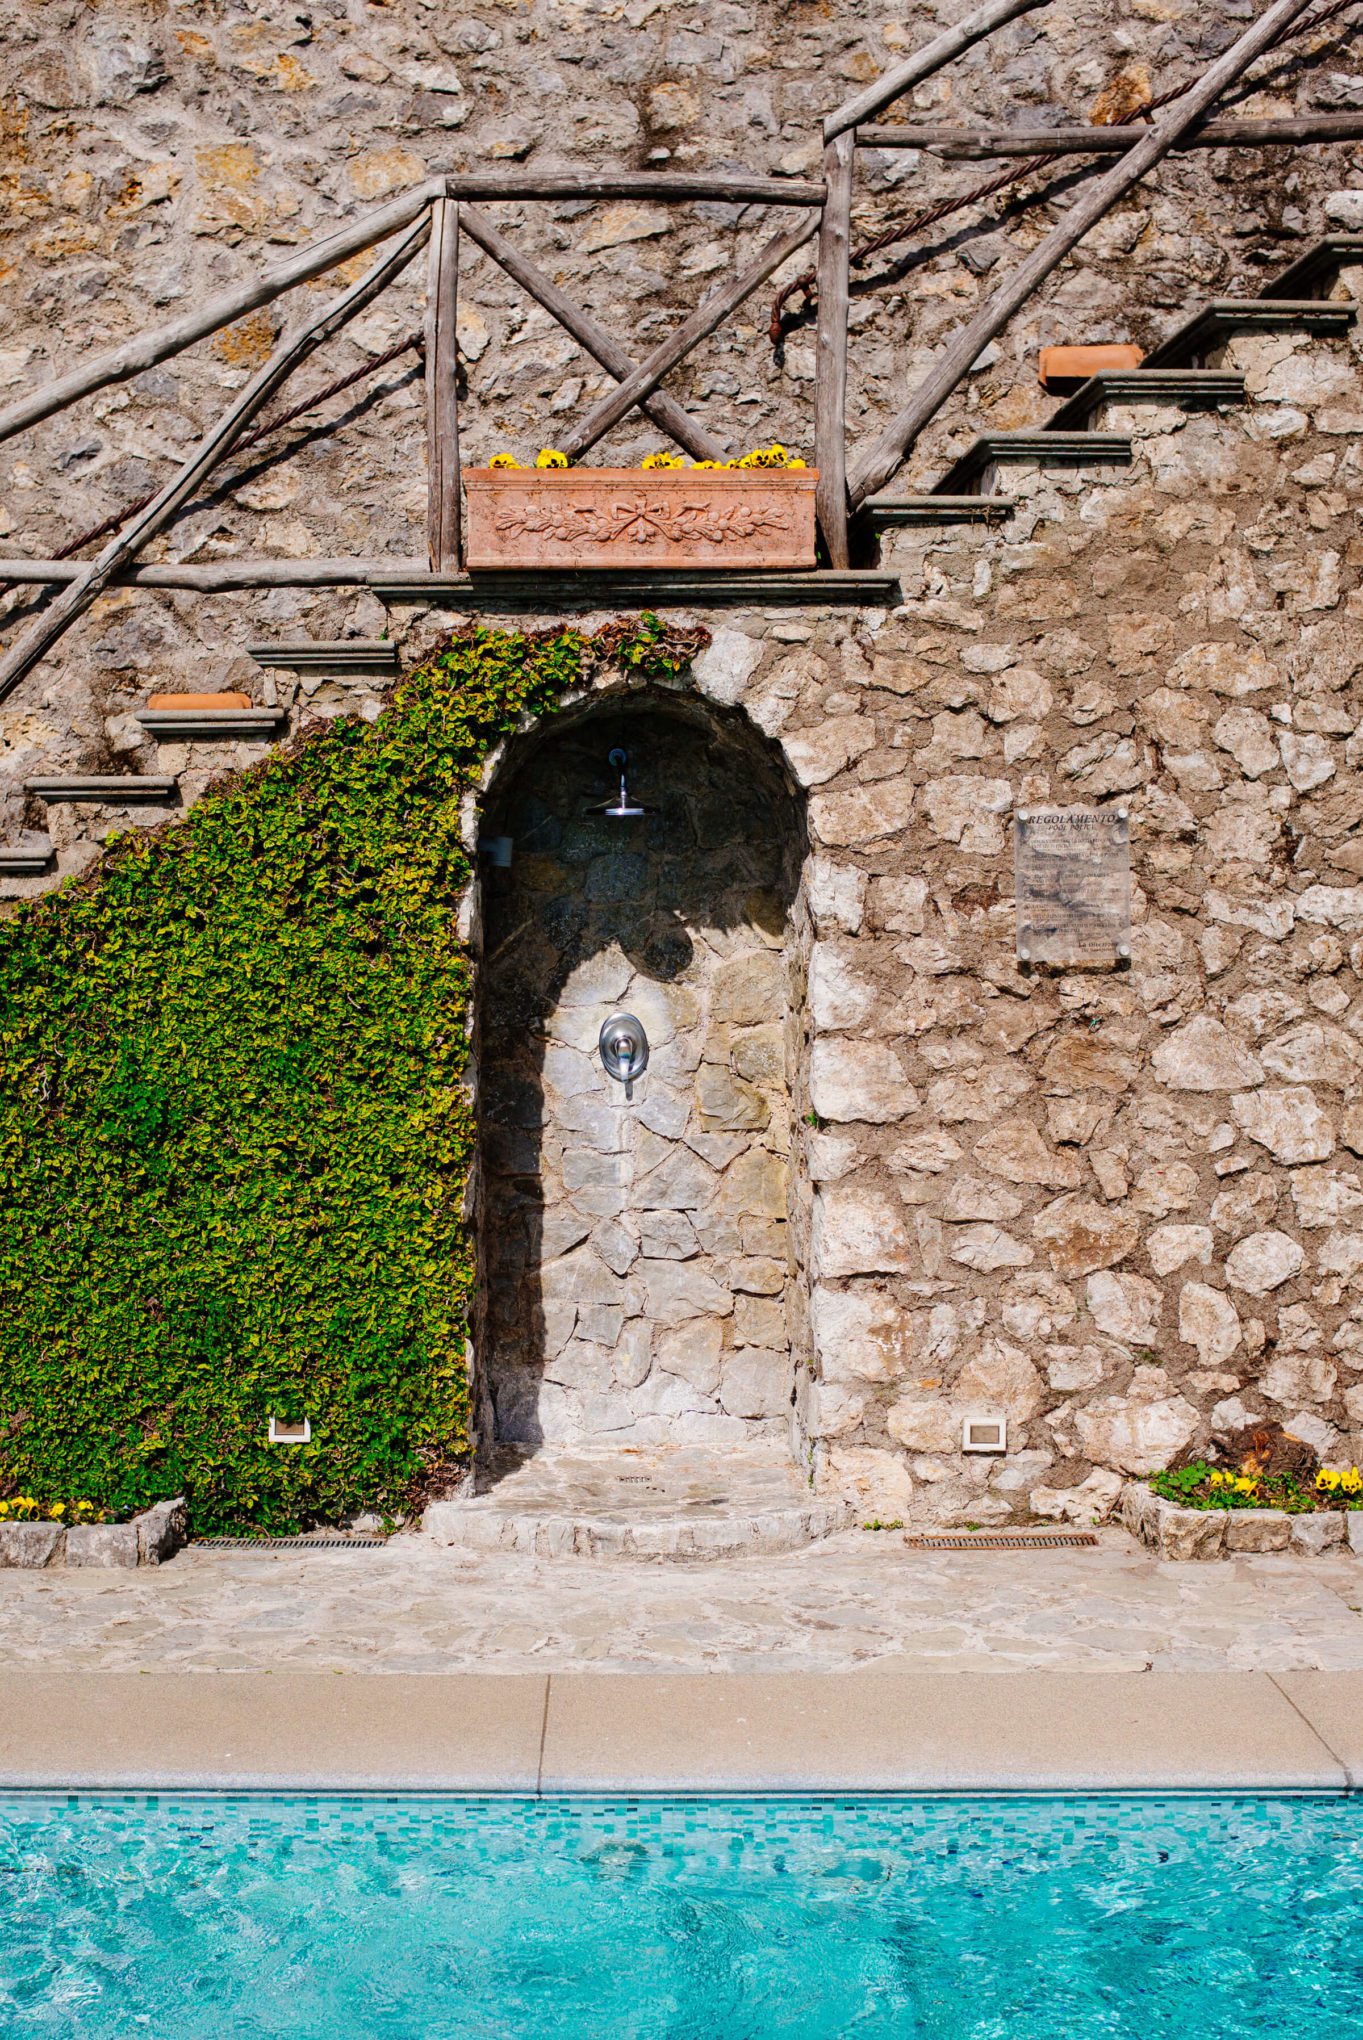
x=563, y=1732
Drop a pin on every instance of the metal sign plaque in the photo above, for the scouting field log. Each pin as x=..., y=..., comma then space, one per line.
x=1073, y=875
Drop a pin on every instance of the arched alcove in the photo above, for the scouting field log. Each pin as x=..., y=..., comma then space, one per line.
x=639, y=1286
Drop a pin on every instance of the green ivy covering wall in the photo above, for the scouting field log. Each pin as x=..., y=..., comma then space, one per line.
x=234, y=1130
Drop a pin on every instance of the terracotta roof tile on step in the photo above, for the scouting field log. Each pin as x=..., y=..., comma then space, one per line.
x=1067, y=367
x=183, y=702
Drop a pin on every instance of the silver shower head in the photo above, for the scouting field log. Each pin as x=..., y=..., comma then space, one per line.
x=621, y=807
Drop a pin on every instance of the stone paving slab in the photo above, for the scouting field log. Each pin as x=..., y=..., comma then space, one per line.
x=1037, y=1731
x=857, y=1599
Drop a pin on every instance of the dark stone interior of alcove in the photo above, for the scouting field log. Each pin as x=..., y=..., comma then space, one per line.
x=634, y=1253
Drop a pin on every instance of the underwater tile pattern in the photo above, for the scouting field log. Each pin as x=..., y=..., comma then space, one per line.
x=423, y=1917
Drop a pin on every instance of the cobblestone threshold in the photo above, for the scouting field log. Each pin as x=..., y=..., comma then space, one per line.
x=1176, y=1532
x=149, y=1539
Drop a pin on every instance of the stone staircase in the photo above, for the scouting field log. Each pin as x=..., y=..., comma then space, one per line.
x=236, y=732
x=1171, y=374
x=620, y=1501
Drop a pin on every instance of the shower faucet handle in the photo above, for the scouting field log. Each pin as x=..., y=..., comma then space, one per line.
x=624, y=1047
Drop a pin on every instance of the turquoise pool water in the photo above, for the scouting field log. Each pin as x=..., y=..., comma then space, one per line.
x=415, y=1918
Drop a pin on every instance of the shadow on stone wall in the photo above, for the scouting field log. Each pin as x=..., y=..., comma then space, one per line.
x=634, y=1251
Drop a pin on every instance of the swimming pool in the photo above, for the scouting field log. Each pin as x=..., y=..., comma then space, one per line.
x=382, y=1917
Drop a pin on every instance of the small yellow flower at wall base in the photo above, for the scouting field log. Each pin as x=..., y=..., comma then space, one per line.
x=504, y=460
x=662, y=460
x=550, y=457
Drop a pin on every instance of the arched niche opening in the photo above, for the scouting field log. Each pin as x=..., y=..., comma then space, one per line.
x=642, y=1282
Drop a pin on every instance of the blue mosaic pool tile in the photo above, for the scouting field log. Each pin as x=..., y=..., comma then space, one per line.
x=410, y=1917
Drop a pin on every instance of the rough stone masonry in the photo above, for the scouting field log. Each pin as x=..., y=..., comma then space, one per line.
x=1121, y=1209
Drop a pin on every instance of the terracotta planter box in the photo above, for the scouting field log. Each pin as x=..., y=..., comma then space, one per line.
x=627, y=520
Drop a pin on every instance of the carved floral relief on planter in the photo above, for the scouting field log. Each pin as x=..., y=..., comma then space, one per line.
x=623, y=518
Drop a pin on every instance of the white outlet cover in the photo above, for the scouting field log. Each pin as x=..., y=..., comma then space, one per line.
x=284, y=1433
x=984, y=1434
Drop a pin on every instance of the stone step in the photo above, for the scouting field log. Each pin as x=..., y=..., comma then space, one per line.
x=675, y=1502
x=110, y=789
x=1315, y=266
x=583, y=590
x=26, y=860
x=1043, y=447
x=1190, y=388
x=327, y=655
x=213, y=725
x=883, y=512
x=1224, y=316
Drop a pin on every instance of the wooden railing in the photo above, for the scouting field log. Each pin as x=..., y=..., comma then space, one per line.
x=439, y=212
x=869, y=466
x=434, y=214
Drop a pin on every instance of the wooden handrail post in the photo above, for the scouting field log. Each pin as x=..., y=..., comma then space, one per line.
x=830, y=349
x=444, y=511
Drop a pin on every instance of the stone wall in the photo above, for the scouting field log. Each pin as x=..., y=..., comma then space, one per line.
x=151, y=153
x=1121, y=1209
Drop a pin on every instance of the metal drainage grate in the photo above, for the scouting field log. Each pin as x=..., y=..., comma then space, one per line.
x=292, y=1543
x=998, y=1540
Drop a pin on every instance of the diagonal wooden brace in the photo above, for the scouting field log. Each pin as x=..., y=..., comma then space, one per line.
x=216, y=443
x=144, y=350
x=923, y=63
